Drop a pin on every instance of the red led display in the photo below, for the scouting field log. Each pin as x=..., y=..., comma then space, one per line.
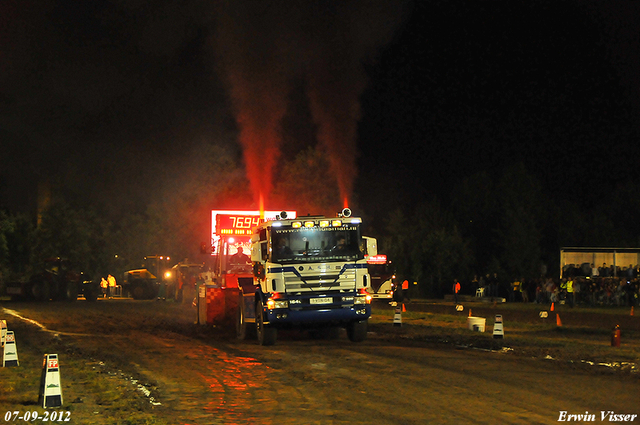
x=236, y=224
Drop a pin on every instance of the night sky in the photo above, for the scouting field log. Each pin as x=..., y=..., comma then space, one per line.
x=427, y=92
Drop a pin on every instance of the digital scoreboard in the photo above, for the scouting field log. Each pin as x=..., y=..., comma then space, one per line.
x=239, y=223
x=236, y=224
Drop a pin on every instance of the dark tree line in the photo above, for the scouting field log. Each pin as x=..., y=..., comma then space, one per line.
x=504, y=224
x=174, y=219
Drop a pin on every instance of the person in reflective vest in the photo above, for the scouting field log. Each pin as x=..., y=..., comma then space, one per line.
x=112, y=286
x=405, y=289
x=570, y=293
x=456, y=289
x=104, y=285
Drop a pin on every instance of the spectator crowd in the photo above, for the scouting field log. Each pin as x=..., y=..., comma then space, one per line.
x=580, y=285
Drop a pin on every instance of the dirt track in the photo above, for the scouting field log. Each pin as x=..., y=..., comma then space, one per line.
x=204, y=376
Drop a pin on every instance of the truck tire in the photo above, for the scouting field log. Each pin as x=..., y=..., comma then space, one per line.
x=90, y=292
x=171, y=291
x=267, y=334
x=41, y=291
x=241, y=325
x=357, y=330
x=188, y=293
x=151, y=290
x=70, y=291
x=137, y=290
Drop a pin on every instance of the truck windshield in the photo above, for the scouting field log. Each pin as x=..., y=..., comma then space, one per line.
x=316, y=244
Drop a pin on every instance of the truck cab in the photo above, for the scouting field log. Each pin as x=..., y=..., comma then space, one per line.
x=308, y=272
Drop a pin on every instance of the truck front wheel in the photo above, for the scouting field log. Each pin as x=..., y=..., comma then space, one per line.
x=357, y=330
x=267, y=334
x=241, y=325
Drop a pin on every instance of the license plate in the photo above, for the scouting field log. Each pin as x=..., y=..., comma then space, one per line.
x=325, y=300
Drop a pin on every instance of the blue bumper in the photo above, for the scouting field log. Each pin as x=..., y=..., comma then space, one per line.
x=322, y=315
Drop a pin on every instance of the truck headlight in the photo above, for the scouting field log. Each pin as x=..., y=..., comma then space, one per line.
x=274, y=304
x=362, y=299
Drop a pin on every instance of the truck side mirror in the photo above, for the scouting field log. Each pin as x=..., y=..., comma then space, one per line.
x=371, y=246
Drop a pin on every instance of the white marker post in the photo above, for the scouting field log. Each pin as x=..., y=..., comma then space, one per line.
x=3, y=332
x=10, y=352
x=397, y=317
x=50, y=388
x=498, y=331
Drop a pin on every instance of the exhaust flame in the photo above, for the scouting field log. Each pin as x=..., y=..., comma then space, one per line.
x=261, y=206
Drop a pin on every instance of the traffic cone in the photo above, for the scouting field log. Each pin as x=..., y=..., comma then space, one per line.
x=50, y=388
x=10, y=357
x=403, y=308
x=3, y=331
x=397, y=317
x=558, y=321
x=469, y=312
x=552, y=304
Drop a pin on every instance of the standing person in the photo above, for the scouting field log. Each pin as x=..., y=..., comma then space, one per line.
x=577, y=287
x=112, y=286
x=493, y=285
x=524, y=290
x=562, y=294
x=456, y=289
x=239, y=258
x=104, y=285
x=570, y=293
x=405, y=289
x=515, y=288
x=475, y=284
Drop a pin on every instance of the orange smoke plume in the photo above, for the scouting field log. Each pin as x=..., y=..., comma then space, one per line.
x=262, y=47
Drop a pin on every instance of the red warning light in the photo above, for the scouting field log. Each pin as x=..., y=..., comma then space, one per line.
x=377, y=259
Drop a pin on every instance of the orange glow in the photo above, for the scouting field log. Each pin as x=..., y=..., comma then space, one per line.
x=346, y=202
x=261, y=202
x=377, y=259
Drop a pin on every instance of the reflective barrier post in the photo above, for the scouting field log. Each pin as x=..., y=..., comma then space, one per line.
x=50, y=388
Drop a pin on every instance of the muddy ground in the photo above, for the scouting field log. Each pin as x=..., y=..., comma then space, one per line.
x=146, y=362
